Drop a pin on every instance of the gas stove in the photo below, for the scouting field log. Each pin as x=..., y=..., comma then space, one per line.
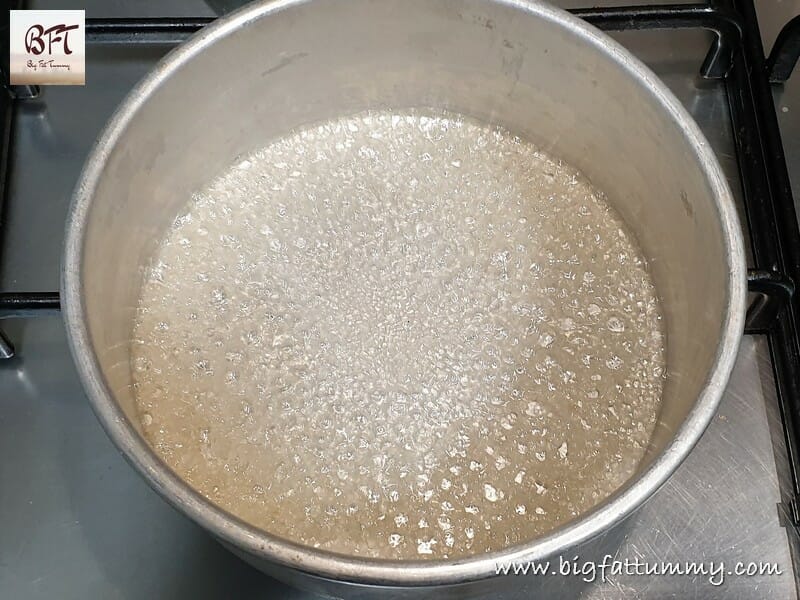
x=78, y=522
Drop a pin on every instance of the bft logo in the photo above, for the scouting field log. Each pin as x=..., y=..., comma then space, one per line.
x=47, y=47
x=38, y=39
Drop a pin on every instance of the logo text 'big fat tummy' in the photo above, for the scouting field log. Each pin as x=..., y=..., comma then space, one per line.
x=47, y=47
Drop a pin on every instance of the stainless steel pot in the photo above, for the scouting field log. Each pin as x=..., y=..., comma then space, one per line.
x=538, y=71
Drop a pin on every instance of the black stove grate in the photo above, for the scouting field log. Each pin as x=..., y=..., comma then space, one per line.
x=736, y=57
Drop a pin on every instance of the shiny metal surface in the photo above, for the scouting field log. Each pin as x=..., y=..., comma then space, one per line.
x=532, y=68
x=78, y=522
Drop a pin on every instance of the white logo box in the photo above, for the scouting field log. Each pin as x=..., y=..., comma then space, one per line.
x=47, y=47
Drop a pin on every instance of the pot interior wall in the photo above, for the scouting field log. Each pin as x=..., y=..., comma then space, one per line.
x=495, y=62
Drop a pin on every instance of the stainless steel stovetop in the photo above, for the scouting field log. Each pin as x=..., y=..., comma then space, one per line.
x=77, y=522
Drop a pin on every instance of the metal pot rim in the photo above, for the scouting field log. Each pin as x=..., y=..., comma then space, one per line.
x=373, y=571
